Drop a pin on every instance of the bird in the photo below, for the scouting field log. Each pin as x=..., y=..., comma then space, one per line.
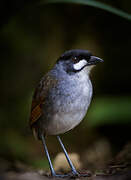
x=62, y=98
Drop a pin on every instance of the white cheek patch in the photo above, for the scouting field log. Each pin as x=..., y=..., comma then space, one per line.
x=80, y=64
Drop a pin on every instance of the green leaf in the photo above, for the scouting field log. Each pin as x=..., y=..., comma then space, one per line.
x=93, y=3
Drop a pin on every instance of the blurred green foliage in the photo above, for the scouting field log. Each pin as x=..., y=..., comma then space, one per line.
x=40, y=163
x=93, y=3
x=109, y=110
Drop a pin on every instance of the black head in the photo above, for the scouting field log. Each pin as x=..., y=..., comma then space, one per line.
x=75, y=60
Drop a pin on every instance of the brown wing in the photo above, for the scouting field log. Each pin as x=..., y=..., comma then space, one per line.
x=41, y=92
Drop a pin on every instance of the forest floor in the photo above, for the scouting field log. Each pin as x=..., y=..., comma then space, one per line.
x=118, y=169
x=35, y=175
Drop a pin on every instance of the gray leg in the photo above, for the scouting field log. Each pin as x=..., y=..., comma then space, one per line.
x=67, y=157
x=48, y=156
x=53, y=173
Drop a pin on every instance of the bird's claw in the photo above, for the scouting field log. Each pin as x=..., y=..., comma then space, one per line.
x=72, y=175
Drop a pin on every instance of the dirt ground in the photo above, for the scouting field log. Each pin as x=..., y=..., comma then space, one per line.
x=118, y=168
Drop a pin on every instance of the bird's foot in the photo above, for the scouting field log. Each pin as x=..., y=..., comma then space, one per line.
x=78, y=174
x=73, y=174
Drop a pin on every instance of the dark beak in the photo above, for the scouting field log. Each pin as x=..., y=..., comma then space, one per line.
x=94, y=60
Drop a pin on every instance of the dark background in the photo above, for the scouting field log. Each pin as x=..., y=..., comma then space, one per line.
x=32, y=37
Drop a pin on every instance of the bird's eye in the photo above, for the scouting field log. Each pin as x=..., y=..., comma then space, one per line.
x=74, y=59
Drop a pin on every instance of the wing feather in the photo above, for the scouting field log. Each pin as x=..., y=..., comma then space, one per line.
x=41, y=92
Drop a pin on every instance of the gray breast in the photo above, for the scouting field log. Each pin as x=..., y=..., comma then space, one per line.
x=68, y=104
